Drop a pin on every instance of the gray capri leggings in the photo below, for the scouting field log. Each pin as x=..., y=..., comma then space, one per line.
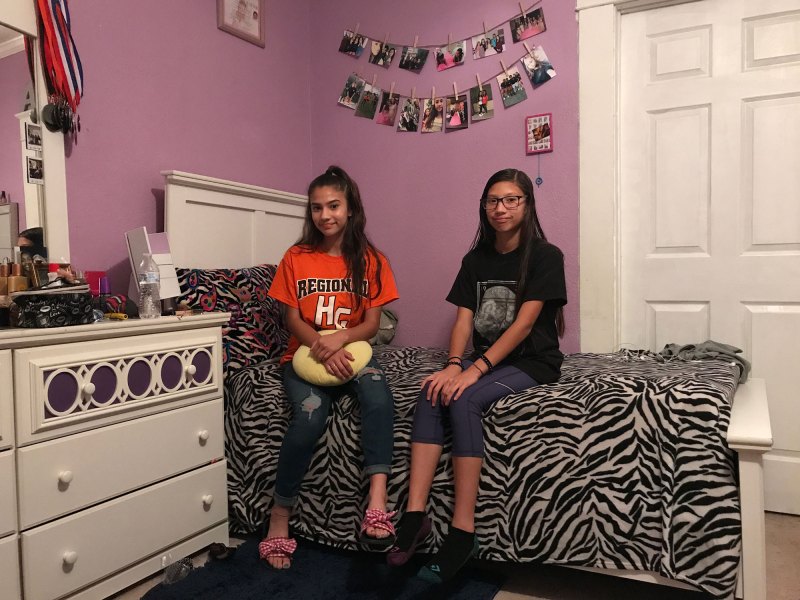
x=466, y=413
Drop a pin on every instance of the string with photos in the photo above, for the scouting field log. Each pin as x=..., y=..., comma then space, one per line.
x=481, y=83
x=449, y=40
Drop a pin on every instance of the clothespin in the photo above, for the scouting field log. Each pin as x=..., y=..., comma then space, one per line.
x=374, y=79
x=502, y=64
x=455, y=90
x=391, y=90
x=478, y=79
x=530, y=52
x=433, y=93
x=355, y=31
x=416, y=39
x=386, y=39
x=449, y=37
x=484, y=30
x=413, y=91
x=521, y=10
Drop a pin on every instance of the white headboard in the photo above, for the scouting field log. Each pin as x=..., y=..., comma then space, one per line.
x=213, y=223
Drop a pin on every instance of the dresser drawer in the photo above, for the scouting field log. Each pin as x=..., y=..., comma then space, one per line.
x=73, y=552
x=8, y=504
x=65, y=388
x=6, y=401
x=63, y=475
x=9, y=568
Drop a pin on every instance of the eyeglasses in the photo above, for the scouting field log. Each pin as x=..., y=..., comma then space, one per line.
x=510, y=202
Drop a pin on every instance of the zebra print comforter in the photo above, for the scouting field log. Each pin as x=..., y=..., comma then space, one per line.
x=620, y=464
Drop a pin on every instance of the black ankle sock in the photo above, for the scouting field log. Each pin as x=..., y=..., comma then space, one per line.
x=409, y=526
x=458, y=547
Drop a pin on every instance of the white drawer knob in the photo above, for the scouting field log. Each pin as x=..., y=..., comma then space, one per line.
x=88, y=389
x=65, y=477
x=70, y=557
x=191, y=370
x=208, y=500
x=203, y=435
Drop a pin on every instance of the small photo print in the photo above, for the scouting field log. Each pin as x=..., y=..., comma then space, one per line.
x=33, y=136
x=538, y=134
x=432, y=115
x=456, y=113
x=409, y=116
x=450, y=56
x=528, y=25
x=35, y=171
x=387, y=114
x=413, y=59
x=352, y=91
x=352, y=43
x=511, y=89
x=368, y=103
x=488, y=44
x=480, y=100
x=382, y=54
x=537, y=66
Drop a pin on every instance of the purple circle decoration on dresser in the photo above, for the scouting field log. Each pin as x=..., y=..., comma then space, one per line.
x=139, y=376
x=171, y=371
x=62, y=392
x=202, y=363
x=104, y=378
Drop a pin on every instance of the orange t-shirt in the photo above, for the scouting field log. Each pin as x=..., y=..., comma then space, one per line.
x=317, y=285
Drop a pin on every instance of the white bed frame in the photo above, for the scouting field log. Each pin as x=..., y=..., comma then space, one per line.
x=216, y=223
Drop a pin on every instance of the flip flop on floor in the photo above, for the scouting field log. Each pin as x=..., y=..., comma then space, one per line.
x=277, y=547
x=378, y=519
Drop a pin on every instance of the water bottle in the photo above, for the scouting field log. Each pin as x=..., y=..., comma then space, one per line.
x=149, y=279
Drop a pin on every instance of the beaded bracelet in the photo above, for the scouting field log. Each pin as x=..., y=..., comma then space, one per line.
x=489, y=364
x=454, y=362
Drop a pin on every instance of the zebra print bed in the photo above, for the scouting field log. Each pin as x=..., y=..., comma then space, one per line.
x=621, y=464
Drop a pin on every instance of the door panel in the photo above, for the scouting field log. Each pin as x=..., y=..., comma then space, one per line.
x=710, y=195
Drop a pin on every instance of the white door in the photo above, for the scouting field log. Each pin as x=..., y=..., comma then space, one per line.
x=710, y=196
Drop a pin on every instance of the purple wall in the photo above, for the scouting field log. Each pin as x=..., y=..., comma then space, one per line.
x=421, y=190
x=180, y=94
x=166, y=89
x=14, y=80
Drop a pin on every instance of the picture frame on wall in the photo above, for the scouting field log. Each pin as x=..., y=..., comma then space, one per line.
x=35, y=170
x=33, y=136
x=244, y=19
x=539, y=133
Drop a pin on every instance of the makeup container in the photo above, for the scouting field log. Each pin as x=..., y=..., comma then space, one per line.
x=17, y=282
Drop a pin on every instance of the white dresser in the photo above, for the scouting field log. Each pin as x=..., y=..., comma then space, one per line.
x=111, y=453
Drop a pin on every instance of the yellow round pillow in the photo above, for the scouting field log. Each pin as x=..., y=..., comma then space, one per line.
x=314, y=371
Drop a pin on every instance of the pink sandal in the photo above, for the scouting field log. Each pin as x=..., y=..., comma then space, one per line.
x=378, y=519
x=277, y=547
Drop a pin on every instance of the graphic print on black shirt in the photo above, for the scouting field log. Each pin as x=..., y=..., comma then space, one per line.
x=495, y=312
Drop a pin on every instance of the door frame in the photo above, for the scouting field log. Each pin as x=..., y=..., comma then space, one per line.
x=599, y=103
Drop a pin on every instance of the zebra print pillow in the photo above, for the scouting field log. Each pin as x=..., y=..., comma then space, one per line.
x=255, y=331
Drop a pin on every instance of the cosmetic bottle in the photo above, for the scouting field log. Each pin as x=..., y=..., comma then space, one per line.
x=5, y=271
x=101, y=302
x=17, y=282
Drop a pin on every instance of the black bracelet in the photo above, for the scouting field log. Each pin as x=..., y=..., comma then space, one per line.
x=458, y=358
x=456, y=362
x=489, y=364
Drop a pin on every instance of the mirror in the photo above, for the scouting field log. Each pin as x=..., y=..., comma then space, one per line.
x=49, y=200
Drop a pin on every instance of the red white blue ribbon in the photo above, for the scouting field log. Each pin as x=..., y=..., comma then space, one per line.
x=62, y=65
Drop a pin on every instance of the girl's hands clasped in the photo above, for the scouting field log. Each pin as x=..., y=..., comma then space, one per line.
x=327, y=345
x=339, y=365
x=448, y=384
x=456, y=386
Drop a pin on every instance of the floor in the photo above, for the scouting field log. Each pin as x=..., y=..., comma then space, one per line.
x=540, y=582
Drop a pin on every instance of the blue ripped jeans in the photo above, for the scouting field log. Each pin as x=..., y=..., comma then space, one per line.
x=311, y=405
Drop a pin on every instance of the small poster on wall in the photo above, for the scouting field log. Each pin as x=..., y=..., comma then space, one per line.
x=538, y=133
x=242, y=18
x=35, y=170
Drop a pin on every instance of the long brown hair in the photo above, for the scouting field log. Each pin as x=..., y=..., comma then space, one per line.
x=357, y=250
x=530, y=232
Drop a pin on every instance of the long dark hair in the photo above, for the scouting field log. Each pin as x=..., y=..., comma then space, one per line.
x=530, y=232
x=357, y=250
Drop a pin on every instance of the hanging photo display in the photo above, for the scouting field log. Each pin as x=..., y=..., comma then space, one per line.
x=511, y=90
x=538, y=66
x=409, y=117
x=538, y=133
x=456, y=113
x=413, y=59
x=387, y=113
x=368, y=104
x=432, y=115
x=382, y=54
x=351, y=93
x=352, y=43
x=527, y=25
x=450, y=56
x=488, y=44
x=481, y=103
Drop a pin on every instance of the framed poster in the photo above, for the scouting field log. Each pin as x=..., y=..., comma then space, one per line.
x=538, y=133
x=242, y=18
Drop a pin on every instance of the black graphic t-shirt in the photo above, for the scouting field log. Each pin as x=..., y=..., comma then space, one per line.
x=487, y=285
